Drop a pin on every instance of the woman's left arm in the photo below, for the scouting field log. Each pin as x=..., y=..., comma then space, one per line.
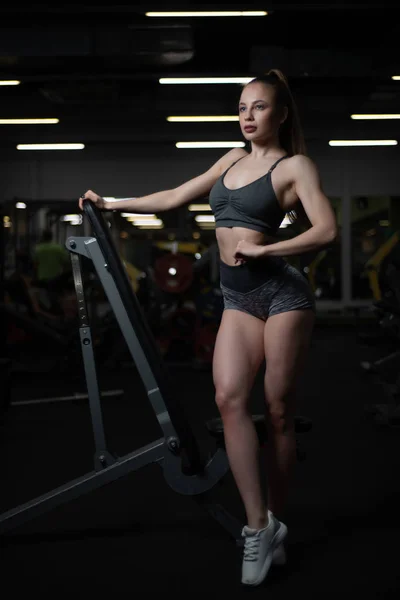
x=317, y=207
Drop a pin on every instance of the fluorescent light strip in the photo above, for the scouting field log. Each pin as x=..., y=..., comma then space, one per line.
x=134, y=215
x=375, y=117
x=210, y=144
x=73, y=219
x=50, y=146
x=363, y=143
x=396, y=77
x=28, y=121
x=190, y=80
x=199, y=207
x=146, y=221
x=10, y=82
x=69, y=217
x=205, y=219
x=217, y=13
x=199, y=119
x=140, y=219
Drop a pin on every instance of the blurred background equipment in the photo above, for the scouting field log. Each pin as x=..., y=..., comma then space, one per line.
x=125, y=103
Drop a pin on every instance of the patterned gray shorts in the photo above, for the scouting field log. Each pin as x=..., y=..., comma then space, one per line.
x=265, y=289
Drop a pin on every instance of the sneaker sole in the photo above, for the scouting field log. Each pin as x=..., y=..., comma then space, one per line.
x=278, y=538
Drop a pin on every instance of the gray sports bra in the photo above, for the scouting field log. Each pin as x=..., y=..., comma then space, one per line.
x=254, y=206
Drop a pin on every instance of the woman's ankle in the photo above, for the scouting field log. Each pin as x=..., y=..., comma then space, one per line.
x=259, y=521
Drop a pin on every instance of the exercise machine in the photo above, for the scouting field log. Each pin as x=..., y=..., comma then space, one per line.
x=177, y=452
x=382, y=267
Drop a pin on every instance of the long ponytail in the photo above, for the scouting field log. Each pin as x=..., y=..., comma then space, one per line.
x=291, y=136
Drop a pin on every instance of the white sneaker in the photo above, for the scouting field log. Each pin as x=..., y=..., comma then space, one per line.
x=259, y=547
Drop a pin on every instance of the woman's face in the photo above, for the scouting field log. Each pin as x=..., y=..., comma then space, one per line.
x=257, y=112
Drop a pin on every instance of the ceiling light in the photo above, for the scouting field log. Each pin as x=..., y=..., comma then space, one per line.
x=136, y=215
x=363, y=142
x=10, y=82
x=205, y=219
x=396, y=77
x=72, y=219
x=199, y=207
x=141, y=218
x=210, y=144
x=20, y=205
x=28, y=121
x=377, y=117
x=50, y=146
x=210, y=119
x=146, y=222
x=69, y=217
x=215, y=13
x=190, y=80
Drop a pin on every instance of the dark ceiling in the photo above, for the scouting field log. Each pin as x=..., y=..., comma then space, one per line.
x=96, y=68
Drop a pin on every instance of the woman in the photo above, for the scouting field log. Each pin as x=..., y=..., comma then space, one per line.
x=269, y=307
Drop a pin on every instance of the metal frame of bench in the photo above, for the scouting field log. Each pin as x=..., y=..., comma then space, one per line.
x=176, y=451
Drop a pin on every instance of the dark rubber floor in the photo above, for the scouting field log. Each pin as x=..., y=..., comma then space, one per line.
x=137, y=537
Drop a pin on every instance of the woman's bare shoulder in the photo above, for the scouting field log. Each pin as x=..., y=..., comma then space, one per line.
x=300, y=160
x=223, y=163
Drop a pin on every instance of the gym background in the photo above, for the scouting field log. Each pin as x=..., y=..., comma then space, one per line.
x=98, y=72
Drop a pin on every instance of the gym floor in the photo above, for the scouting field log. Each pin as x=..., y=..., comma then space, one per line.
x=138, y=536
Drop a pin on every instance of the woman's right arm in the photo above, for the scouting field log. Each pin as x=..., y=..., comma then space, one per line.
x=166, y=200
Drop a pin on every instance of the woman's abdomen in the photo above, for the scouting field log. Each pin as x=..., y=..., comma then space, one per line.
x=228, y=239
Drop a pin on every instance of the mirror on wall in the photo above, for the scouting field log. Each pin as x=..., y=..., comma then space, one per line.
x=375, y=223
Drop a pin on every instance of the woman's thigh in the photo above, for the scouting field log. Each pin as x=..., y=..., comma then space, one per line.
x=238, y=354
x=287, y=340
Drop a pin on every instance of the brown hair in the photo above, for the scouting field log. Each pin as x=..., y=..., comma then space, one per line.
x=291, y=136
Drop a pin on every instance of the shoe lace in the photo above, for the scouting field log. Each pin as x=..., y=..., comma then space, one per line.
x=251, y=546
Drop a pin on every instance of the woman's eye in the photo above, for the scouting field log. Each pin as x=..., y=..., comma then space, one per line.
x=260, y=106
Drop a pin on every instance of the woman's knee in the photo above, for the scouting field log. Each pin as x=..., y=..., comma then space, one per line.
x=280, y=397
x=230, y=400
x=280, y=422
x=280, y=414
